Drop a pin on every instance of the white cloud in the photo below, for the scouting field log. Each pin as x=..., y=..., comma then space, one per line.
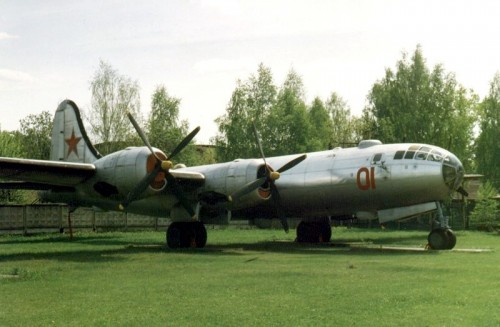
x=8, y=75
x=6, y=36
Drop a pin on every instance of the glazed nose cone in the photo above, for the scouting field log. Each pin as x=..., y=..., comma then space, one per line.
x=453, y=172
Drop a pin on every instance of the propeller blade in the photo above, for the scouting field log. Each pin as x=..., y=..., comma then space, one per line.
x=258, y=142
x=141, y=187
x=141, y=134
x=292, y=163
x=248, y=188
x=279, y=209
x=462, y=191
x=184, y=142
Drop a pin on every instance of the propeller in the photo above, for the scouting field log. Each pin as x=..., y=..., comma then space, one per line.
x=161, y=165
x=462, y=191
x=270, y=177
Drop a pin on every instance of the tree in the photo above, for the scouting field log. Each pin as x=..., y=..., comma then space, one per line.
x=165, y=131
x=113, y=95
x=344, y=125
x=414, y=104
x=487, y=143
x=36, y=131
x=251, y=101
x=486, y=213
x=288, y=127
x=11, y=146
x=321, y=126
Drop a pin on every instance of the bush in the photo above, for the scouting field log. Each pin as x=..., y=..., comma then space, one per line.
x=486, y=213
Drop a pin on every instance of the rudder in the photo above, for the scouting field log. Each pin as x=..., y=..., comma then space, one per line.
x=70, y=142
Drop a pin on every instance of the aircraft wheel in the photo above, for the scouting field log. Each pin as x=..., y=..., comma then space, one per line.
x=313, y=232
x=452, y=239
x=326, y=232
x=303, y=232
x=174, y=235
x=442, y=239
x=200, y=234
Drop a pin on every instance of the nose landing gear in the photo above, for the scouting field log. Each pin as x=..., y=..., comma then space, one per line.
x=442, y=237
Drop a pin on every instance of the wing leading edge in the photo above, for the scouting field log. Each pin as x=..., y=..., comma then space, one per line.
x=36, y=173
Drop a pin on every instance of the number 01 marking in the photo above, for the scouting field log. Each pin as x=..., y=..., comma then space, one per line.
x=365, y=178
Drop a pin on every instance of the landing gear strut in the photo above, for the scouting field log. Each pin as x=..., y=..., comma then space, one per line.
x=186, y=234
x=442, y=237
x=314, y=232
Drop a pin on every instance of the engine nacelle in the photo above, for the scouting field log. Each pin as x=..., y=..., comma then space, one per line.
x=229, y=177
x=120, y=172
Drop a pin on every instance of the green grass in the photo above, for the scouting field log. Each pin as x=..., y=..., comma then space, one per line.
x=246, y=278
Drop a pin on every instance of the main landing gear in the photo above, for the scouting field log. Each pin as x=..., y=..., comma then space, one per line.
x=442, y=237
x=186, y=234
x=314, y=232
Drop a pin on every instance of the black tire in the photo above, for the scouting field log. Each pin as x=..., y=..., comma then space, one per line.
x=174, y=235
x=326, y=232
x=452, y=239
x=200, y=234
x=438, y=239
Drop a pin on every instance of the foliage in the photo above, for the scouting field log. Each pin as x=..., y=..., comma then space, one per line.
x=321, y=126
x=486, y=213
x=414, y=104
x=165, y=131
x=11, y=146
x=251, y=101
x=285, y=123
x=288, y=128
x=113, y=95
x=488, y=141
x=36, y=131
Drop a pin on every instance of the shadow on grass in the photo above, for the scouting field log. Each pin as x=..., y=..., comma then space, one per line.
x=114, y=247
x=232, y=249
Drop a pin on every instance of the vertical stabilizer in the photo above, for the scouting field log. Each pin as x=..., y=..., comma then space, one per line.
x=69, y=139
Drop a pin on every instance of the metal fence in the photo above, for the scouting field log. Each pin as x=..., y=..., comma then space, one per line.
x=51, y=218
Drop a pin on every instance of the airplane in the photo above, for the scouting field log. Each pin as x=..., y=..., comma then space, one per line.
x=388, y=182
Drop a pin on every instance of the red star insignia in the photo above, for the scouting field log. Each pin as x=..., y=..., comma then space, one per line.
x=72, y=142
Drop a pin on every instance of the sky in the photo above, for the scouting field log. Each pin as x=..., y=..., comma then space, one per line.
x=50, y=50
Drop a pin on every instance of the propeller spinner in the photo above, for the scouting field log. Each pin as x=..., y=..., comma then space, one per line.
x=270, y=177
x=163, y=165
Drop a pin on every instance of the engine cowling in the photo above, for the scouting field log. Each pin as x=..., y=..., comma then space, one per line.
x=119, y=172
x=227, y=178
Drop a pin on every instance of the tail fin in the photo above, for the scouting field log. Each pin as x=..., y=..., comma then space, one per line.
x=69, y=140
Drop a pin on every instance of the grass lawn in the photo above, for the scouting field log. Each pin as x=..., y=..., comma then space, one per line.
x=247, y=278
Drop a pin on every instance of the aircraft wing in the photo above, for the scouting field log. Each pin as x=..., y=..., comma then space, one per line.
x=35, y=174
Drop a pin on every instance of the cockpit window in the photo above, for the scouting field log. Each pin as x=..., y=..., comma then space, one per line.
x=435, y=155
x=414, y=147
x=409, y=154
x=422, y=153
x=399, y=155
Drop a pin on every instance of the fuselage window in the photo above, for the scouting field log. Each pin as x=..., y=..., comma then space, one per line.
x=376, y=158
x=399, y=155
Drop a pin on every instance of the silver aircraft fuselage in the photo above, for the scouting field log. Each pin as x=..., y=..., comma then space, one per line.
x=352, y=181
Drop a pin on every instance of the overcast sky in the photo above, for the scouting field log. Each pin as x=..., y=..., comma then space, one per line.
x=49, y=50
